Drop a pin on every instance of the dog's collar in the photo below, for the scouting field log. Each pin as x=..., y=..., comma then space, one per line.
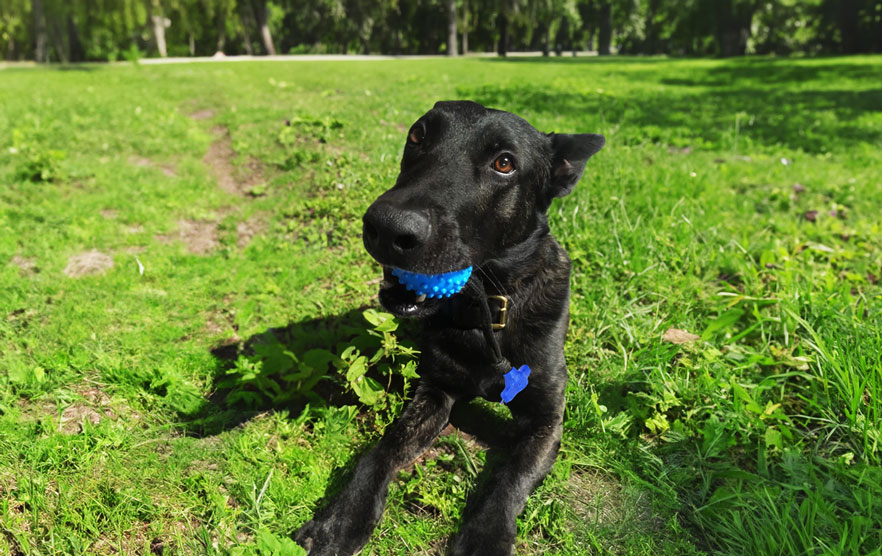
x=469, y=311
x=472, y=310
x=499, y=322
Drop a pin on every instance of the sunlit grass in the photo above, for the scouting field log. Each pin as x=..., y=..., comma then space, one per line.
x=737, y=201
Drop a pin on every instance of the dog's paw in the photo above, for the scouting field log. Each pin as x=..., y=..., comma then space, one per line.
x=318, y=539
x=480, y=543
x=332, y=536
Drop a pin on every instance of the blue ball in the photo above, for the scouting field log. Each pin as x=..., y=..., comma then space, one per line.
x=434, y=285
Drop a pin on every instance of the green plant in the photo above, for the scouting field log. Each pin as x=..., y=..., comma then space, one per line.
x=34, y=162
x=391, y=359
x=271, y=374
x=274, y=375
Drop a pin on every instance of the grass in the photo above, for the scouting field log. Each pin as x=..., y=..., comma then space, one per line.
x=200, y=395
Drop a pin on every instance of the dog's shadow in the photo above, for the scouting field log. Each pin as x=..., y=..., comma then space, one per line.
x=237, y=397
x=233, y=402
x=230, y=406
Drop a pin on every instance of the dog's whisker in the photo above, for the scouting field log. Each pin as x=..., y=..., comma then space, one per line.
x=495, y=283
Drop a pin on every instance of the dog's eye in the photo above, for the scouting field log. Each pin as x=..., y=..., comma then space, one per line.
x=504, y=164
x=417, y=134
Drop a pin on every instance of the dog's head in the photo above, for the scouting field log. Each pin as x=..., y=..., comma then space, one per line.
x=474, y=183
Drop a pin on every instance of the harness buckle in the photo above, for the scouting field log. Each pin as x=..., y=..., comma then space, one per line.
x=499, y=324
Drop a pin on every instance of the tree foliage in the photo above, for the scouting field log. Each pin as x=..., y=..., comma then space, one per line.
x=76, y=30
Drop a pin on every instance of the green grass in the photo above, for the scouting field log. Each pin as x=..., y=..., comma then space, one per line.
x=197, y=407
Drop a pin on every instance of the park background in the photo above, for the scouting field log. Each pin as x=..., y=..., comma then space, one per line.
x=190, y=347
x=79, y=30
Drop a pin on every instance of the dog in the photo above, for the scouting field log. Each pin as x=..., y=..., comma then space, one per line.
x=473, y=193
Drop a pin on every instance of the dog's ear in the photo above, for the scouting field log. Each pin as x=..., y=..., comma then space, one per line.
x=571, y=152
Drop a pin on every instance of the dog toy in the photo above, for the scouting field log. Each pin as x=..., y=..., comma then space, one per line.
x=433, y=285
x=515, y=381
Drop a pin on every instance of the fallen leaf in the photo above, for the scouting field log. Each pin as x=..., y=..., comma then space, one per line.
x=677, y=336
x=811, y=215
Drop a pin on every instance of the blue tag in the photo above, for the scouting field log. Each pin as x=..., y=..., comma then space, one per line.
x=515, y=381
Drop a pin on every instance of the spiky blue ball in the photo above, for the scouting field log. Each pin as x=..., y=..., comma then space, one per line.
x=433, y=285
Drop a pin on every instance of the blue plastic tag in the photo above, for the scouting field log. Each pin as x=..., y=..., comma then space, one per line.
x=515, y=381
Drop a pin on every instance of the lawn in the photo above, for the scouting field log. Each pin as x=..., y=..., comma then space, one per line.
x=185, y=305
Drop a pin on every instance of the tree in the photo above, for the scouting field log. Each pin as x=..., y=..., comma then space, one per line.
x=465, y=26
x=158, y=21
x=604, y=32
x=733, y=20
x=73, y=30
x=41, y=44
x=259, y=7
x=451, y=28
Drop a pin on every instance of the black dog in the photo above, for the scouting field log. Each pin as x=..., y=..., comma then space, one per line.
x=474, y=189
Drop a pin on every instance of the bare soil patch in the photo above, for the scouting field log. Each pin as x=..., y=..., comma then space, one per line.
x=132, y=541
x=94, y=406
x=92, y=262
x=141, y=162
x=219, y=161
x=598, y=498
x=205, y=114
x=26, y=266
x=248, y=229
x=200, y=236
x=73, y=417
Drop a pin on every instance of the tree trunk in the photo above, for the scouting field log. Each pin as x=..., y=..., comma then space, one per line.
x=159, y=34
x=57, y=37
x=41, y=39
x=260, y=13
x=604, y=32
x=221, y=29
x=465, y=27
x=77, y=53
x=245, y=21
x=546, y=40
x=157, y=18
x=503, y=33
x=651, y=45
x=451, y=28
x=733, y=26
x=849, y=26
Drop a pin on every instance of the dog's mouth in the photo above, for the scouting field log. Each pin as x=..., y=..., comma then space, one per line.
x=403, y=297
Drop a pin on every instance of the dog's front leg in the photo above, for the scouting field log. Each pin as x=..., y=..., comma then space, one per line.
x=490, y=520
x=345, y=525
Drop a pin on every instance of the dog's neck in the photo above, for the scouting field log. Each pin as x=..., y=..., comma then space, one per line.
x=519, y=274
x=520, y=265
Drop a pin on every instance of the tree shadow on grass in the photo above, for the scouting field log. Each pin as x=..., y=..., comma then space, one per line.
x=758, y=70
x=814, y=121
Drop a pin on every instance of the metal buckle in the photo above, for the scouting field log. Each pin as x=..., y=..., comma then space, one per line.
x=503, y=311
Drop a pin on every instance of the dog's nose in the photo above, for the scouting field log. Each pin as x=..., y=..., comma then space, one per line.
x=395, y=232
